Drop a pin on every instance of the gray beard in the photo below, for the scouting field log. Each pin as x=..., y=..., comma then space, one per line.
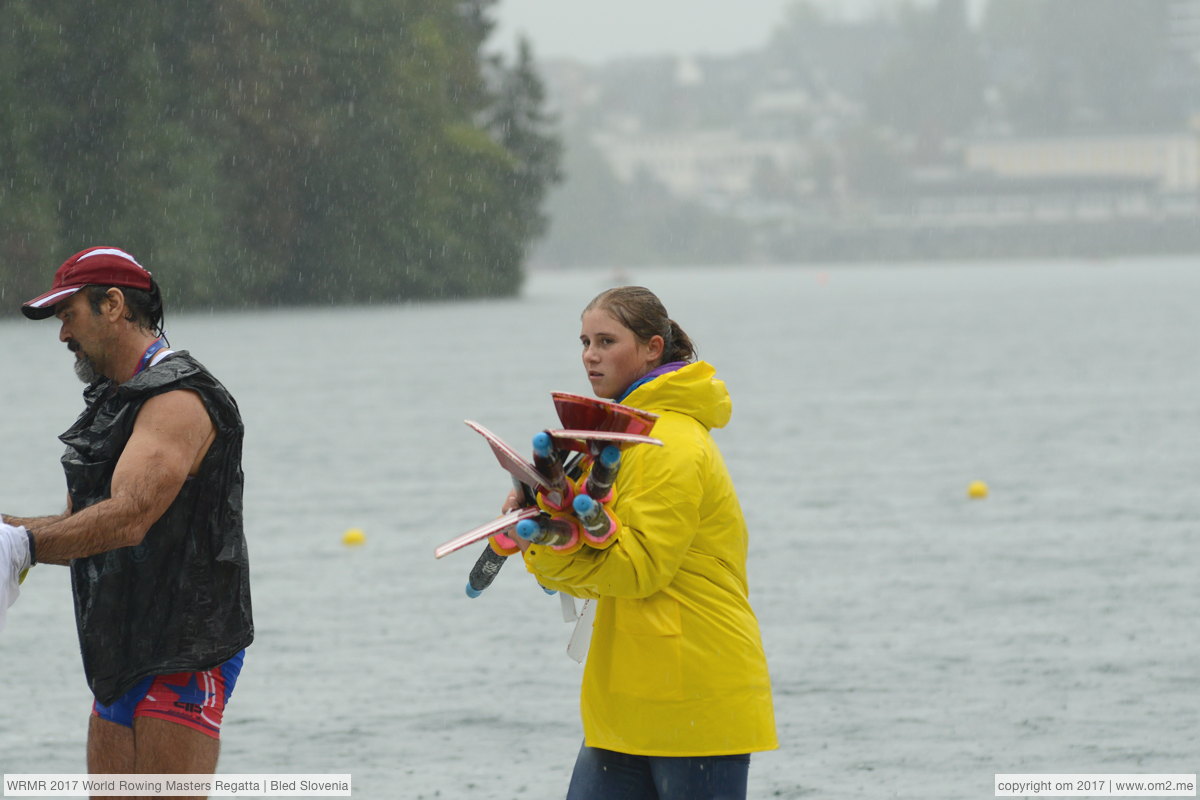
x=85, y=370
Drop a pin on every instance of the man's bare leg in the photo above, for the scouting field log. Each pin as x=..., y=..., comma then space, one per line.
x=171, y=749
x=109, y=747
x=152, y=746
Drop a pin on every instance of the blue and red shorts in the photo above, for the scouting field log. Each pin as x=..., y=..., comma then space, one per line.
x=194, y=699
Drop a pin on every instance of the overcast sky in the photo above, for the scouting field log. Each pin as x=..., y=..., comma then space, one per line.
x=595, y=32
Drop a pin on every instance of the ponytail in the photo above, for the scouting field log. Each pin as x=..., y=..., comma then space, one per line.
x=677, y=345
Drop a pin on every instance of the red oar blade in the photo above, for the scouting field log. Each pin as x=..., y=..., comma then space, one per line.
x=587, y=441
x=577, y=412
x=510, y=459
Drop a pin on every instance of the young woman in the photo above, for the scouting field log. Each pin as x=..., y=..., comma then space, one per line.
x=675, y=693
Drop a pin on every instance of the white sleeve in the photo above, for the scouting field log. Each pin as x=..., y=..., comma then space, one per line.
x=14, y=559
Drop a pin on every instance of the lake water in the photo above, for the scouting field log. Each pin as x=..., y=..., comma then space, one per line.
x=919, y=642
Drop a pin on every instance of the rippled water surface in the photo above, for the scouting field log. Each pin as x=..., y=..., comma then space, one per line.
x=919, y=641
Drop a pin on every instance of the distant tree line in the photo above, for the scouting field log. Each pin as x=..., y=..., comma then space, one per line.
x=1035, y=67
x=264, y=152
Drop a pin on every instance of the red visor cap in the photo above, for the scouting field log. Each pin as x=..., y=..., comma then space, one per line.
x=96, y=266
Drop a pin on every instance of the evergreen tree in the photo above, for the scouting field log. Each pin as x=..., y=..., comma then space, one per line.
x=520, y=123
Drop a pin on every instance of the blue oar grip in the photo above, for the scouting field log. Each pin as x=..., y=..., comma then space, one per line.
x=610, y=456
x=528, y=529
x=543, y=444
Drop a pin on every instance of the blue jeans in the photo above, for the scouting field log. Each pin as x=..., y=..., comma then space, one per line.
x=605, y=775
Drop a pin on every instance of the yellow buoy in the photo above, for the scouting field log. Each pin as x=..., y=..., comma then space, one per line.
x=354, y=537
x=977, y=490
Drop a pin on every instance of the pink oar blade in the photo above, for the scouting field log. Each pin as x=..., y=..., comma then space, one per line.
x=498, y=525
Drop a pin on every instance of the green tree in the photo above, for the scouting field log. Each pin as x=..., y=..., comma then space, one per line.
x=257, y=151
x=521, y=124
x=91, y=155
x=28, y=215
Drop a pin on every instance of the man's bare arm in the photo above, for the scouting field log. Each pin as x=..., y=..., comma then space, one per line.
x=169, y=439
x=32, y=522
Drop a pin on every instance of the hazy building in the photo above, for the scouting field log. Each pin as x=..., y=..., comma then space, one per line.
x=1170, y=160
x=712, y=166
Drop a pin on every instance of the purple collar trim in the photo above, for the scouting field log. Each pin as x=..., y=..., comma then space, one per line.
x=662, y=369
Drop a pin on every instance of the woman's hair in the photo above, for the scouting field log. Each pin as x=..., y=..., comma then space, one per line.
x=638, y=309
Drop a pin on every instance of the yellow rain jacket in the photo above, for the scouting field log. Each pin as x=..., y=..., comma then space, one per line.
x=676, y=664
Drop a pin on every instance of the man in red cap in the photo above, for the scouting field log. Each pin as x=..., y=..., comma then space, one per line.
x=153, y=527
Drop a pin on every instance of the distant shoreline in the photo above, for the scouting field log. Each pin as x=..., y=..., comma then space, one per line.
x=837, y=243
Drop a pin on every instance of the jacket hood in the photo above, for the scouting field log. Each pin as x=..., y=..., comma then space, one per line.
x=693, y=390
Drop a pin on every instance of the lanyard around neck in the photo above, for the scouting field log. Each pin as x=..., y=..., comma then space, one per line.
x=155, y=346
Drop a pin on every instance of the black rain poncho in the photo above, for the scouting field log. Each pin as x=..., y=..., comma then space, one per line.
x=180, y=600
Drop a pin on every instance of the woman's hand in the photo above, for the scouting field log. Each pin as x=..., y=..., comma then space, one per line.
x=512, y=503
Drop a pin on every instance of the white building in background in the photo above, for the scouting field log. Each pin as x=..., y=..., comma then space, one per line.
x=712, y=165
x=1170, y=160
